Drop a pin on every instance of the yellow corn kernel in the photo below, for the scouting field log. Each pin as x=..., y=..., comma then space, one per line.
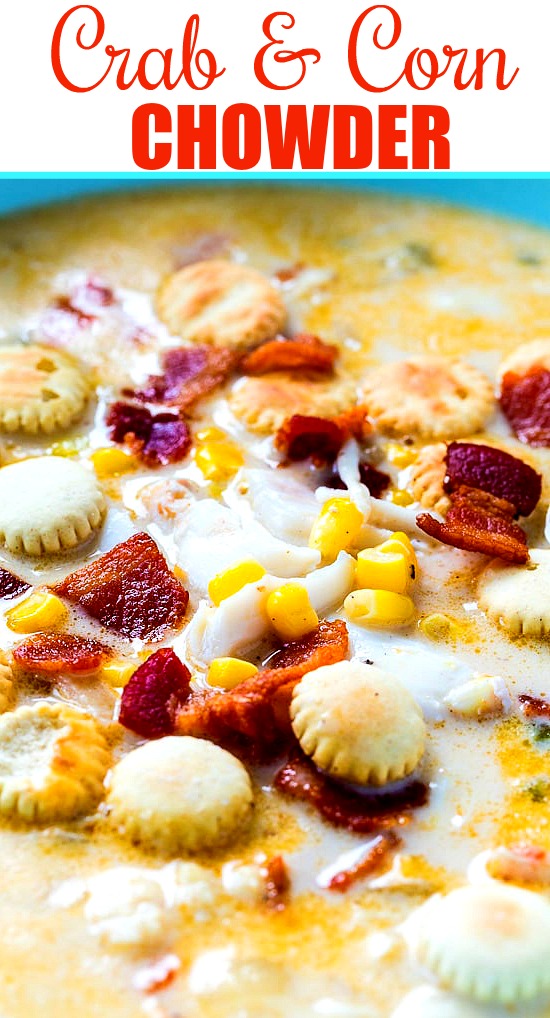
x=400, y=542
x=112, y=462
x=379, y=608
x=227, y=672
x=218, y=460
x=41, y=610
x=211, y=435
x=290, y=612
x=439, y=627
x=234, y=579
x=400, y=455
x=68, y=446
x=398, y=496
x=336, y=528
x=117, y=672
x=383, y=570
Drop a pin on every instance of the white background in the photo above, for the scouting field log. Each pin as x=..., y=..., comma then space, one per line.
x=46, y=128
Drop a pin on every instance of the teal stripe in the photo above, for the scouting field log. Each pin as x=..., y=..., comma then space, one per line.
x=275, y=176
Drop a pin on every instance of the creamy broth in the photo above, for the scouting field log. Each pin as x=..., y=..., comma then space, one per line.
x=383, y=279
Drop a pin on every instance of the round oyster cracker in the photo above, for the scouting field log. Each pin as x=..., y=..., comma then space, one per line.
x=432, y=397
x=358, y=723
x=221, y=303
x=41, y=389
x=48, y=504
x=180, y=794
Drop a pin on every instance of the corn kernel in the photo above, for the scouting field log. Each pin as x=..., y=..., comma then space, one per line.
x=398, y=496
x=400, y=455
x=232, y=580
x=112, y=462
x=41, y=610
x=379, y=608
x=68, y=446
x=383, y=570
x=117, y=672
x=212, y=434
x=336, y=528
x=228, y=672
x=400, y=542
x=438, y=626
x=218, y=460
x=291, y=612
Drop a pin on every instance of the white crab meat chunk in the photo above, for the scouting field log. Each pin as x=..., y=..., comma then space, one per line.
x=210, y=538
x=241, y=622
x=285, y=506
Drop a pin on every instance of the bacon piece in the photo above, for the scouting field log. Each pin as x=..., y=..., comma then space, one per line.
x=289, y=272
x=129, y=590
x=525, y=402
x=89, y=296
x=479, y=522
x=376, y=480
x=76, y=309
x=302, y=353
x=158, y=975
x=157, y=439
x=53, y=652
x=11, y=585
x=341, y=807
x=354, y=423
x=277, y=883
x=494, y=471
x=188, y=374
x=253, y=719
x=523, y=863
x=534, y=706
x=376, y=855
x=151, y=699
x=300, y=437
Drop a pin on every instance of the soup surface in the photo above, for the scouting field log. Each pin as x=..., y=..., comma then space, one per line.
x=108, y=905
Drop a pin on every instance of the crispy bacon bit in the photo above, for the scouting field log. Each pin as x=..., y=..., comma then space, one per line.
x=341, y=807
x=50, y=652
x=523, y=863
x=354, y=423
x=158, y=975
x=494, y=471
x=376, y=480
x=479, y=522
x=302, y=353
x=289, y=272
x=277, y=883
x=151, y=699
x=76, y=309
x=11, y=585
x=157, y=439
x=253, y=719
x=89, y=296
x=300, y=437
x=320, y=438
x=130, y=590
x=376, y=855
x=525, y=402
x=188, y=374
x=534, y=706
